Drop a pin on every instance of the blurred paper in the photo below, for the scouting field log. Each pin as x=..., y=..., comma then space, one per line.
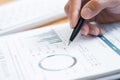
x=19, y=15
x=43, y=54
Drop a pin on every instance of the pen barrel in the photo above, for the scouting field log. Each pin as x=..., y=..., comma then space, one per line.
x=77, y=29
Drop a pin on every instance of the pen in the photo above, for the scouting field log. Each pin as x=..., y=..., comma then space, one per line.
x=76, y=29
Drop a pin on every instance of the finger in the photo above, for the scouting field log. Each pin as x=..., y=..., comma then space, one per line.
x=66, y=8
x=85, y=29
x=95, y=31
x=101, y=32
x=93, y=7
x=74, y=10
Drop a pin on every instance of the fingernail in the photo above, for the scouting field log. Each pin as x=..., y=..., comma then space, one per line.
x=71, y=25
x=87, y=13
x=95, y=33
x=83, y=33
x=101, y=32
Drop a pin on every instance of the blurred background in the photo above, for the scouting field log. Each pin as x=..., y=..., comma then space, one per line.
x=19, y=15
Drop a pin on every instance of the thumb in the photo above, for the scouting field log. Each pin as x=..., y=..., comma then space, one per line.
x=92, y=8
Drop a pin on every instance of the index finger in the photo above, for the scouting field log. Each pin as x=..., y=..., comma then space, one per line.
x=74, y=10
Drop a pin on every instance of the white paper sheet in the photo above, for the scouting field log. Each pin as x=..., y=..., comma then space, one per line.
x=43, y=54
x=20, y=15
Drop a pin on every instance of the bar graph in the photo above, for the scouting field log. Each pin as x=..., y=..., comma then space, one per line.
x=51, y=37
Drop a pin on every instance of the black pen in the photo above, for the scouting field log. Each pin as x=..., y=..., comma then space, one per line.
x=76, y=29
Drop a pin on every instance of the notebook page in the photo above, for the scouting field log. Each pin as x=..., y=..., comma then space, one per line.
x=43, y=54
x=24, y=14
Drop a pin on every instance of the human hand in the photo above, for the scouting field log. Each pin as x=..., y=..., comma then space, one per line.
x=100, y=11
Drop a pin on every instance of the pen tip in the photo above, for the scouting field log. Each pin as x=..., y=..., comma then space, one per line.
x=69, y=43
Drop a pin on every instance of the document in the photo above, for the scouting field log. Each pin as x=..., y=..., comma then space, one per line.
x=19, y=15
x=44, y=54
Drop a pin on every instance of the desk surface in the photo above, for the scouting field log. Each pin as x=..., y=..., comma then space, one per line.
x=4, y=1
x=51, y=23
